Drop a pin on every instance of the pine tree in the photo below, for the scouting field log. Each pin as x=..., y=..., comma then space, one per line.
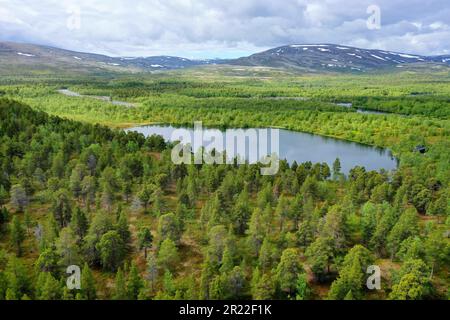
x=412, y=281
x=67, y=248
x=17, y=278
x=48, y=260
x=288, y=270
x=234, y=283
x=408, y=288
x=303, y=291
x=264, y=287
x=48, y=288
x=216, y=288
x=123, y=229
x=79, y=223
x=151, y=271
x=336, y=168
x=352, y=274
x=168, y=285
x=168, y=227
x=168, y=255
x=3, y=195
x=19, y=198
x=255, y=232
x=145, y=239
x=27, y=221
x=241, y=212
x=111, y=249
x=267, y=255
x=321, y=254
x=134, y=282
x=120, y=290
x=17, y=234
x=227, y=261
x=88, y=189
x=88, y=283
x=4, y=218
x=282, y=212
x=62, y=207
x=406, y=226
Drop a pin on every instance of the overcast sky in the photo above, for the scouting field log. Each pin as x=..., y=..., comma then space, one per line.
x=224, y=28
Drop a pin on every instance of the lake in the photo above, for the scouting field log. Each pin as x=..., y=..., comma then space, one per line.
x=71, y=93
x=302, y=147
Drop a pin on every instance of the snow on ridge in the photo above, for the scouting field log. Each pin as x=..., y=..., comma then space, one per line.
x=77, y=58
x=307, y=45
x=354, y=55
x=404, y=55
x=26, y=54
x=156, y=66
x=323, y=50
x=408, y=56
x=377, y=57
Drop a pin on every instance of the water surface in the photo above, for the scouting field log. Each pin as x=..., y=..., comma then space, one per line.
x=302, y=147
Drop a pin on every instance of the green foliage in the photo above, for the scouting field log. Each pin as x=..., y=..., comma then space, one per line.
x=145, y=239
x=321, y=255
x=112, y=250
x=120, y=291
x=412, y=282
x=88, y=288
x=134, y=283
x=82, y=187
x=19, y=198
x=303, y=290
x=352, y=275
x=168, y=255
x=17, y=234
x=288, y=270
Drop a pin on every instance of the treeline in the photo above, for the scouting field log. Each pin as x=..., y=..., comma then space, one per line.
x=141, y=227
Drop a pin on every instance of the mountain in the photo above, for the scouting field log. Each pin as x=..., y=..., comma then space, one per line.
x=331, y=57
x=20, y=58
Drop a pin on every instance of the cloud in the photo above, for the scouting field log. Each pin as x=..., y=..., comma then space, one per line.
x=225, y=28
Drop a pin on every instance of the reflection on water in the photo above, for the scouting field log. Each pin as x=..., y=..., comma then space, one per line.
x=302, y=147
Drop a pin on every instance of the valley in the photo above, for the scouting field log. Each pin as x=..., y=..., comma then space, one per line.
x=84, y=184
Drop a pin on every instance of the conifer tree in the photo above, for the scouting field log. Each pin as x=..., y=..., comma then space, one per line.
x=17, y=234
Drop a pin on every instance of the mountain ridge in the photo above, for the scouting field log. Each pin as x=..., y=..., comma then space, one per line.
x=334, y=57
x=324, y=57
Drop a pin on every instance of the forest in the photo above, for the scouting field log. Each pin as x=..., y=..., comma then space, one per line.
x=76, y=189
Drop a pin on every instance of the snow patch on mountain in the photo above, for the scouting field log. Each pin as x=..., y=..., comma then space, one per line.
x=308, y=45
x=25, y=54
x=377, y=57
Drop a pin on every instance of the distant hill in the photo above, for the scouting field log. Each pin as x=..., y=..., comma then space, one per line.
x=331, y=57
x=19, y=58
x=28, y=57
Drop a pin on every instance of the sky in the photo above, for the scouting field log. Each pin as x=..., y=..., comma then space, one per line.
x=226, y=28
